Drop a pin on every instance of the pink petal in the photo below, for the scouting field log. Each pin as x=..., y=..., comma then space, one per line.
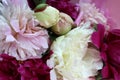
x=10, y=38
x=15, y=25
x=97, y=37
x=111, y=7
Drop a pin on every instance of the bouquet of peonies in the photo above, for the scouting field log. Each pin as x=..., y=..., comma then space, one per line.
x=58, y=40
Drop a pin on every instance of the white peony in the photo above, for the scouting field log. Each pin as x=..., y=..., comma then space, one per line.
x=72, y=59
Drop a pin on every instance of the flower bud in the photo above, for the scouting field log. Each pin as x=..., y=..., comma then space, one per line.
x=64, y=24
x=47, y=17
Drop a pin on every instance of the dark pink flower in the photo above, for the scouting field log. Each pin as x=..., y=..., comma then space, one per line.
x=98, y=36
x=34, y=69
x=113, y=35
x=31, y=4
x=111, y=56
x=109, y=46
x=31, y=69
x=64, y=6
x=8, y=68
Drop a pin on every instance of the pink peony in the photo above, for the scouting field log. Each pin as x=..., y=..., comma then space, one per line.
x=111, y=10
x=19, y=34
x=89, y=12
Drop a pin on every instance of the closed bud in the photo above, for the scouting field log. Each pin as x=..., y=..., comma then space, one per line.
x=64, y=24
x=47, y=17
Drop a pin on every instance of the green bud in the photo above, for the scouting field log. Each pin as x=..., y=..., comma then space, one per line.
x=64, y=24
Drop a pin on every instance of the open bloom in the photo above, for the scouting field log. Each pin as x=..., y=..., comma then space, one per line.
x=12, y=69
x=72, y=59
x=109, y=46
x=19, y=34
x=89, y=12
x=8, y=68
x=111, y=55
x=34, y=69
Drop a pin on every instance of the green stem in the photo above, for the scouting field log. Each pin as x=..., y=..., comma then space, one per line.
x=36, y=2
x=43, y=1
x=39, y=1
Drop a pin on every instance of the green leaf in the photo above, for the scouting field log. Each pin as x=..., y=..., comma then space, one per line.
x=43, y=1
x=95, y=26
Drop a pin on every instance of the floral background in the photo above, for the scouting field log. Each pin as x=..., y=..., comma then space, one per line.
x=59, y=40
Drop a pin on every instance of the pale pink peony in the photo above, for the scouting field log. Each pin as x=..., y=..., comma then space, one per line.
x=19, y=34
x=89, y=12
x=111, y=10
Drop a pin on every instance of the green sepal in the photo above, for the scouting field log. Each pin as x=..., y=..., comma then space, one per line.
x=41, y=6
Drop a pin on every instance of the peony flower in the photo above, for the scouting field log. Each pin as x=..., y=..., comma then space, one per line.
x=64, y=24
x=89, y=12
x=109, y=45
x=35, y=69
x=72, y=59
x=19, y=34
x=8, y=68
x=111, y=10
x=111, y=55
x=65, y=6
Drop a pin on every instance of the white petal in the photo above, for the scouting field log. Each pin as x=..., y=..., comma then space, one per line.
x=71, y=56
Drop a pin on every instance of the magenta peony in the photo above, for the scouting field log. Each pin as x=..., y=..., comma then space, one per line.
x=109, y=45
x=31, y=69
x=97, y=37
x=111, y=56
x=34, y=69
x=8, y=68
